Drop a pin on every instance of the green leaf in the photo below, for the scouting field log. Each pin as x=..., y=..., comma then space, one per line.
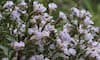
x=5, y=50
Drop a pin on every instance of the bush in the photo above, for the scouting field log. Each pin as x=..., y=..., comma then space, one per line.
x=31, y=31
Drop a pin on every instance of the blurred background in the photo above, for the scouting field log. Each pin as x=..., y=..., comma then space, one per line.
x=91, y=5
x=64, y=5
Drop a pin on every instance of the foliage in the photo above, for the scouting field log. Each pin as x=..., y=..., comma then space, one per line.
x=30, y=30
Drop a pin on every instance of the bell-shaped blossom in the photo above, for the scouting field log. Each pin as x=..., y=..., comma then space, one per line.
x=72, y=51
x=23, y=3
x=52, y=6
x=62, y=15
x=87, y=21
x=65, y=36
x=75, y=11
x=8, y=4
x=15, y=15
x=38, y=7
x=18, y=45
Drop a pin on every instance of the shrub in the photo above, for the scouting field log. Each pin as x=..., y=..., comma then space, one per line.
x=31, y=31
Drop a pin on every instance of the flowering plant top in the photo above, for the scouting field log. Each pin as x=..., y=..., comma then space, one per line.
x=34, y=34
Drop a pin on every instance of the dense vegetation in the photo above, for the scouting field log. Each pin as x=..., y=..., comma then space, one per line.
x=49, y=30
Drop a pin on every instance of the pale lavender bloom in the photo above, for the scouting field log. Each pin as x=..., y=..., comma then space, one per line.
x=52, y=6
x=35, y=18
x=94, y=49
x=18, y=45
x=38, y=7
x=38, y=35
x=67, y=27
x=37, y=57
x=87, y=21
x=45, y=33
x=59, y=41
x=65, y=50
x=15, y=15
x=89, y=37
x=65, y=36
x=65, y=44
x=30, y=30
x=46, y=17
x=75, y=11
x=22, y=28
x=35, y=2
x=52, y=46
x=82, y=13
x=81, y=30
x=32, y=58
x=62, y=15
x=98, y=57
x=23, y=3
x=21, y=44
x=49, y=27
x=15, y=31
x=95, y=29
x=88, y=14
x=8, y=4
x=23, y=12
x=46, y=59
x=72, y=51
x=94, y=43
x=4, y=58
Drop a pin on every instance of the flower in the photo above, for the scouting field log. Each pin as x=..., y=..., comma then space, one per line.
x=62, y=15
x=8, y=4
x=65, y=36
x=72, y=51
x=94, y=43
x=21, y=44
x=38, y=7
x=5, y=58
x=38, y=35
x=95, y=29
x=67, y=27
x=45, y=33
x=75, y=11
x=59, y=41
x=46, y=59
x=66, y=51
x=46, y=17
x=18, y=45
x=49, y=27
x=15, y=31
x=37, y=57
x=30, y=30
x=87, y=21
x=89, y=36
x=52, y=6
x=98, y=57
x=88, y=14
x=15, y=15
x=32, y=58
x=82, y=13
x=23, y=3
x=22, y=27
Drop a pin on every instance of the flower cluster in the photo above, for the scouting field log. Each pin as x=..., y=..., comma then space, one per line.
x=37, y=37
